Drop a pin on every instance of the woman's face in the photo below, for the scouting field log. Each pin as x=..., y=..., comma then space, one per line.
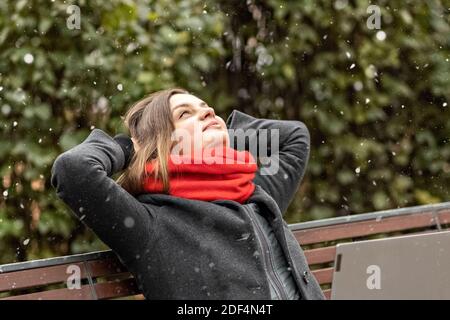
x=192, y=116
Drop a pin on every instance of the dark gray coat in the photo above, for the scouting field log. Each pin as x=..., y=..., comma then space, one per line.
x=187, y=249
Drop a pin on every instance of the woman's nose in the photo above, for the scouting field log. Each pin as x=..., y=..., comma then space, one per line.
x=208, y=112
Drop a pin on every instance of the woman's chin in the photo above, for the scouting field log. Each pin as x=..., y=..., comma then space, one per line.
x=217, y=139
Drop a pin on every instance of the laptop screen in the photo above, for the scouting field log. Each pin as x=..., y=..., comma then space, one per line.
x=406, y=267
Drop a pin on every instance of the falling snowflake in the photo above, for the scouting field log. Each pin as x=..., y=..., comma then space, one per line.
x=28, y=58
x=129, y=222
x=381, y=35
x=358, y=85
x=6, y=109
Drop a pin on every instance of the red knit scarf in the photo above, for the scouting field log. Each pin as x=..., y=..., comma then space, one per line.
x=225, y=174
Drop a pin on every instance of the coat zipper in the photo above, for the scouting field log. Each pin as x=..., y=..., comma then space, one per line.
x=268, y=258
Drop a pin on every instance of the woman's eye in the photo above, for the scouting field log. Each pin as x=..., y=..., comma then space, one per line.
x=182, y=113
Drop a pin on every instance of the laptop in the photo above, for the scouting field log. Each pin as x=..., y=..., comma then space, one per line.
x=409, y=267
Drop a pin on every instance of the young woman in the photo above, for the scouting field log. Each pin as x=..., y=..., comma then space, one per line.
x=192, y=230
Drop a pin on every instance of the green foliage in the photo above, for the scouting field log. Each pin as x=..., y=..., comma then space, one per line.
x=377, y=110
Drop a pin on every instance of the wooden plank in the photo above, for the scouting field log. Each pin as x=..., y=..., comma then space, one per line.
x=320, y=255
x=56, y=274
x=105, y=290
x=323, y=275
x=327, y=294
x=100, y=268
x=444, y=216
x=84, y=293
x=364, y=228
x=35, y=277
x=122, y=288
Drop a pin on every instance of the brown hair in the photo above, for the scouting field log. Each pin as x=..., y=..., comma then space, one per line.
x=150, y=123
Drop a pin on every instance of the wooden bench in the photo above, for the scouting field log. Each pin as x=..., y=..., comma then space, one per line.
x=104, y=277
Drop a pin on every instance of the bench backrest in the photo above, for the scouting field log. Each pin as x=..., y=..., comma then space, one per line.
x=104, y=277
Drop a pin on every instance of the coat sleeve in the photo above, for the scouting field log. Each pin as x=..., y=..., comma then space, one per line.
x=287, y=160
x=82, y=179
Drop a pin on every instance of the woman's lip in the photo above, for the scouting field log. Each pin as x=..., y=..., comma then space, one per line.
x=212, y=123
x=216, y=126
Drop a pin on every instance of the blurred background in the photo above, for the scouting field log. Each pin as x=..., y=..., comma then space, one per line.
x=371, y=80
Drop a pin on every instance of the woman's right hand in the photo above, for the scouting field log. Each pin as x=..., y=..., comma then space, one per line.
x=128, y=146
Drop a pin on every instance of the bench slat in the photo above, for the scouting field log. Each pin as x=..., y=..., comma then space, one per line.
x=100, y=268
x=105, y=290
x=324, y=276
x=358, y=229
x=110, y=290
x=444, y=217
x=49, y=275
x=320, y=255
